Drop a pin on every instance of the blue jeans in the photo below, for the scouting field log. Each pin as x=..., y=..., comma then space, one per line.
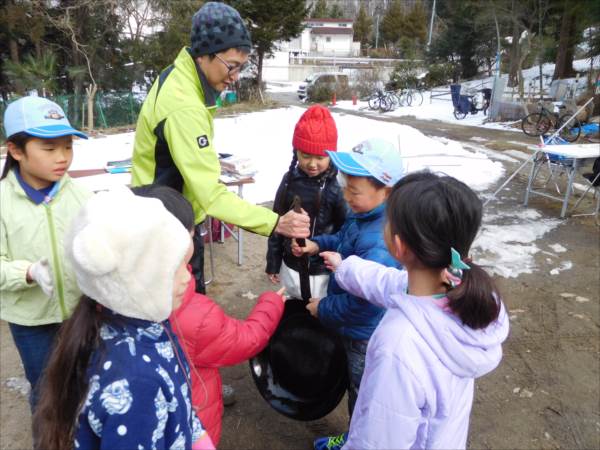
x=356, y=352
x=34, y=345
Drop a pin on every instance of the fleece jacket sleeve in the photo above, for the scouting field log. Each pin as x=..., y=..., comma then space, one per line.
x=188, y=134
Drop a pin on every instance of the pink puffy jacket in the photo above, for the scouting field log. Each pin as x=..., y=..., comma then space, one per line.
x=212, y=339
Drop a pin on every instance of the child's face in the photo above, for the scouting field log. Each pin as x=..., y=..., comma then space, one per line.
x=182, y=278
x=44, y=161
x=312, y=165
x=361, y=195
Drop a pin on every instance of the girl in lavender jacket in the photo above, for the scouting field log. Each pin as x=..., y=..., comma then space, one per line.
x=444, y=324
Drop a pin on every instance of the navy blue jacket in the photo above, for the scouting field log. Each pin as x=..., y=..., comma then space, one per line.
x=327, y=217
x=138, y=396
x=361, y=235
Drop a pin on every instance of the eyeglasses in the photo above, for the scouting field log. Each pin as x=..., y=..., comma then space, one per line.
x=231, y=69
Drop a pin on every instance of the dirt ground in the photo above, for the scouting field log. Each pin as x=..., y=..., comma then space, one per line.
x=545, y=393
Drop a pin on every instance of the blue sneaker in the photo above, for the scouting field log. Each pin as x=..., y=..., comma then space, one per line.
x=330, y=442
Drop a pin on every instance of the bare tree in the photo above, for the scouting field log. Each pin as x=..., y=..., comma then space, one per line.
x=71, y=22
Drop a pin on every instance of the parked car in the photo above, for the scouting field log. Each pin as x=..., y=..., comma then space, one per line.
x=334, y=81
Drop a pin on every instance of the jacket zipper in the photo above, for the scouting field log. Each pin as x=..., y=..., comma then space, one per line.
x=57, y=269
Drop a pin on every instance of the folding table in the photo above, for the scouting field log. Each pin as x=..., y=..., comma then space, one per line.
x=575, y=154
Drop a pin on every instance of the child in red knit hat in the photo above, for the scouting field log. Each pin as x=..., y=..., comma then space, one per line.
x=313, y=179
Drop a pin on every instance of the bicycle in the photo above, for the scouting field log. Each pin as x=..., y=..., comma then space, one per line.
x=413, y=97
x=380, y=100
x=539, y=123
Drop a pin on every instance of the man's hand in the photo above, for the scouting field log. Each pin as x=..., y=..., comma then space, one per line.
x=41, y=273
x=294, y=225
x=332, y=260
x=313, y=306
x=274, y=277
x=310, y=247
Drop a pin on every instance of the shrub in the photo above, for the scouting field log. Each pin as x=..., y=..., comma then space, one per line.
x=439, y=74
x=366, y=82
x=404, y=76
x=320, y=93
x=247, y=89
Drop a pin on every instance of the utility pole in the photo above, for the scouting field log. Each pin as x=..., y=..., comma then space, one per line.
x=377, y=32
x=431, y=25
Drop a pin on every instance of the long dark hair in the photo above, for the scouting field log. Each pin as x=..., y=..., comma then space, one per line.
x=20, y=141
x=65, y=383
x=432, y=214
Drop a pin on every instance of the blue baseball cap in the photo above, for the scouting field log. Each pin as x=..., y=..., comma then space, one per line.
x=39, y=117
x=371, y=158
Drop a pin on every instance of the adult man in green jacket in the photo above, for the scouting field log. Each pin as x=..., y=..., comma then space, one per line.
x=174, y=135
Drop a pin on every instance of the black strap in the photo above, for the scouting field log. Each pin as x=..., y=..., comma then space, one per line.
x=303, y=266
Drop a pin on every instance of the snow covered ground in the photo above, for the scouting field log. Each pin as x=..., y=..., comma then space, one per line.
x=506, y=244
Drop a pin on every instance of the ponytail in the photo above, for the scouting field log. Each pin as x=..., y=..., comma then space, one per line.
x=19, y=140
x=9, y=164
x=433, y=215
x=475, y=300
x=65, y=382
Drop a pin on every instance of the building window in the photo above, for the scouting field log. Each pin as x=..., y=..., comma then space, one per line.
x=342, y=25
x=328, y=39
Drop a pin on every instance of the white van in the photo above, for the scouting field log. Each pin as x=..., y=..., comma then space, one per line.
x=336, y=81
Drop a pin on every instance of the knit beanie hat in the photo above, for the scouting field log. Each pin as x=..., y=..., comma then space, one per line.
x=315, y=132
x=125, y=250
x=217, y=27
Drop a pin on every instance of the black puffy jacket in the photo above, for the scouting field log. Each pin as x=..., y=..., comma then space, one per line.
x=328, y=219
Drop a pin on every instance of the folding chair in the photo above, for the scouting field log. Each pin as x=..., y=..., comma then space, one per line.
x=593, y=179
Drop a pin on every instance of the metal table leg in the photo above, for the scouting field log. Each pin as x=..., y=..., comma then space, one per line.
x=532, y=176
x=572, y=171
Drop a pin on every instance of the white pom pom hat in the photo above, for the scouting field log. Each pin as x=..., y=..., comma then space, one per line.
x=125, y=250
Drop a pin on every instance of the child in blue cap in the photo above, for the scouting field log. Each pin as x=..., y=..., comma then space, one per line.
x=367, y=172
x=37, y=202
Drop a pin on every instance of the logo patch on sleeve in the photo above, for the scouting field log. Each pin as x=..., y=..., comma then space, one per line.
x=202, y=141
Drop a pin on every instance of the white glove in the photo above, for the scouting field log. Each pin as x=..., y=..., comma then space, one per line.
x=41, y=273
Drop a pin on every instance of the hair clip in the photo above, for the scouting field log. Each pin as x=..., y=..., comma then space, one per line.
x=454, y=272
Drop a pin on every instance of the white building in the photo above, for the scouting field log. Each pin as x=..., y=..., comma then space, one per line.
x=324, y=37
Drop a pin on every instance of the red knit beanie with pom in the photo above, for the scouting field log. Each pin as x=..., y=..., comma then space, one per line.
x=315, y=132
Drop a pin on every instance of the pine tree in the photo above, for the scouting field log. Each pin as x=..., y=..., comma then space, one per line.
x=363, y=25
x=271, y=21
x=319, y=10
x=335, y=12
x=392, y=23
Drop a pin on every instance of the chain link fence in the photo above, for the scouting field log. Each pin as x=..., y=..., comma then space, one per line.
x=111, y=109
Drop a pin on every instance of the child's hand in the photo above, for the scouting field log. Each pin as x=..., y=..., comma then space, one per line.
x=41, y=273
x=313, y=307
x=281, y=293
x=312, y=248
x=274, y=277
x=332, y=260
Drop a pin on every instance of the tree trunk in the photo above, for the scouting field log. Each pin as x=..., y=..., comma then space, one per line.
x=564, y=56
x=14, y=51
x=261, y=56
x=513, y=73
x=91, y=93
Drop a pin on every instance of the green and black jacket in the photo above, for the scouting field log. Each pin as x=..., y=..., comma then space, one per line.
x=174, y=147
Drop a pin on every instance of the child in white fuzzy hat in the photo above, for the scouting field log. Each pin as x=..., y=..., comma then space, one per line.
x=118, y=377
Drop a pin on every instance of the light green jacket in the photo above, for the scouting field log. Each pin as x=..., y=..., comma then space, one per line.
x=174, y=146
x=28, y=233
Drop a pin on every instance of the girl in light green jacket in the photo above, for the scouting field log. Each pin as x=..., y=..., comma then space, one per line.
x=37, y=202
